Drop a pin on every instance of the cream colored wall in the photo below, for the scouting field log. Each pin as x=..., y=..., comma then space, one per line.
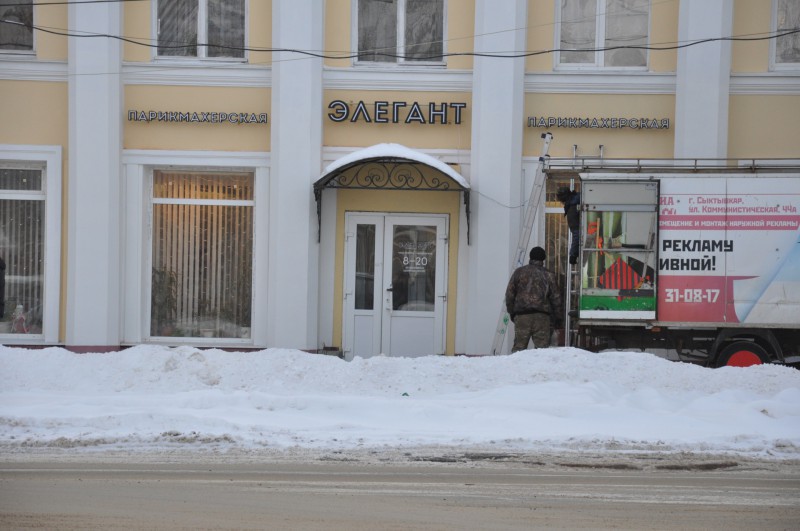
x=260, y=31
x=751, y=17
x=399, y=201
x=763, y=126
x=137, y=25
x=664, y=32
x=50, y=47
x=34, y=112
x=460, y=30
x=541, y=35
x=337, y=31
x=360, y=133
x=196, y=136
x=618, y=143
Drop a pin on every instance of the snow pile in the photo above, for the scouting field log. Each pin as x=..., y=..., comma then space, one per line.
x=148, y=398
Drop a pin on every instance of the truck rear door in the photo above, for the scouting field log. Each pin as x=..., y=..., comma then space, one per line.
x=618, y=256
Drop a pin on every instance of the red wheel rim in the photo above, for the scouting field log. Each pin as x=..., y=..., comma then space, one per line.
x=743, y=358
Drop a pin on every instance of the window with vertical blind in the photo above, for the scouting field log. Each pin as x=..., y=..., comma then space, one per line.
x=201, y=280
x=22, y=248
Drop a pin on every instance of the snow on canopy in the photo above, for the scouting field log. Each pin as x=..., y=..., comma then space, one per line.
x=393, y=151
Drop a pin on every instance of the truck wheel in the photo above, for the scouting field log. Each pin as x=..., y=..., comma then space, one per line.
x=742, y=354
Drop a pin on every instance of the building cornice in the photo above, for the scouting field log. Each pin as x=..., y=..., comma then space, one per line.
x=17, y=68
x=197, y=74
x=196, y=158
x=599, y=82
x=767, y=83
x=422, y=80
x=405, y=79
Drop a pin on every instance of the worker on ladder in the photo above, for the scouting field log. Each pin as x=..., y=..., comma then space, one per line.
x=571, y=199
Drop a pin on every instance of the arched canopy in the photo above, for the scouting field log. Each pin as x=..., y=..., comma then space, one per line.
x=391, y=167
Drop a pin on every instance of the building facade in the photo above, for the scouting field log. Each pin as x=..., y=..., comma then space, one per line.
x=347, y=175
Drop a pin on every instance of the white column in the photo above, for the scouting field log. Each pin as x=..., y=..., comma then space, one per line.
x=296, y=163
x=496, y=165
x=703, y=79
x=93, y=202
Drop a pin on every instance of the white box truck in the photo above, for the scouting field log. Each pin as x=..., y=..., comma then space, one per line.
x=699, y=263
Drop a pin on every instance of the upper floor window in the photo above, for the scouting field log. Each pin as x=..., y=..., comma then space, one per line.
x=601, y=31
x=201, y=28
x=400, y=31
x=16, y=25
x=787, y=48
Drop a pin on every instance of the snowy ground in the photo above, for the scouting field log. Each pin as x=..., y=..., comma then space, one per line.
x=158, y=401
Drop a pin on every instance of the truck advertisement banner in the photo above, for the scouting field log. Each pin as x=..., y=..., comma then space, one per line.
x=729, y=249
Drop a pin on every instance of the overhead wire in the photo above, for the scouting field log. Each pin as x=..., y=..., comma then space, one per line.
x=382, y=52
x=353, y=55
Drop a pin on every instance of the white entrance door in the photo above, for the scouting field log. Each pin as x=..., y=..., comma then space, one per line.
x=395, y=286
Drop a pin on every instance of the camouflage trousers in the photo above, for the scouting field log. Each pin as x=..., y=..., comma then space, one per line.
x=534, y=326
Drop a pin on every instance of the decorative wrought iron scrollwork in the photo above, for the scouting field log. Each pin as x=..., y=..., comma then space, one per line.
x=389, y=175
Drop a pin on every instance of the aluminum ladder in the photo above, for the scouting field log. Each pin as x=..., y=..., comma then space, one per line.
x=572, y=289
x=524, y=239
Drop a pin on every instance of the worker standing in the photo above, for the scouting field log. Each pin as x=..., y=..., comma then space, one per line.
x=533, y=301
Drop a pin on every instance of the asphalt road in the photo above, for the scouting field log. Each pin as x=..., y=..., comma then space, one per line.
x=439, y=493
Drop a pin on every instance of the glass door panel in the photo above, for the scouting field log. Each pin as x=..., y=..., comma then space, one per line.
x=365, y=267
x=414, y=268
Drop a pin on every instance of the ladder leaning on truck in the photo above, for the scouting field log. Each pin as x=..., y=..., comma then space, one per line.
x=696, y=260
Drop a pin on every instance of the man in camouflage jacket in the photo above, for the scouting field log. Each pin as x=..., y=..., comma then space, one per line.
x=533, y=301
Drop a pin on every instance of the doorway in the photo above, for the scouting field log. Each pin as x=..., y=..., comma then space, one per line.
x=395, y=285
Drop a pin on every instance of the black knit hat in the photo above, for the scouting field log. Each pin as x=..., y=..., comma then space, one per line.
x=537, y=253
x=563, y=193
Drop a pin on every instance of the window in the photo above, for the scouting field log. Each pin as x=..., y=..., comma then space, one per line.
x=21, y=250
x=594, y=28
x=16, y=25
x=30, y=243
x=400, y=31
x=201, y=28
x=202, y=254
x=787, y=48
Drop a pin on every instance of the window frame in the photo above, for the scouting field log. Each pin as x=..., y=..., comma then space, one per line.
x=24, y=53
x=401, y=37
x=202, y=36
x=49, y=160
x=138, y=166
x=599, y=42
x=153, y=200
x=774, y=65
